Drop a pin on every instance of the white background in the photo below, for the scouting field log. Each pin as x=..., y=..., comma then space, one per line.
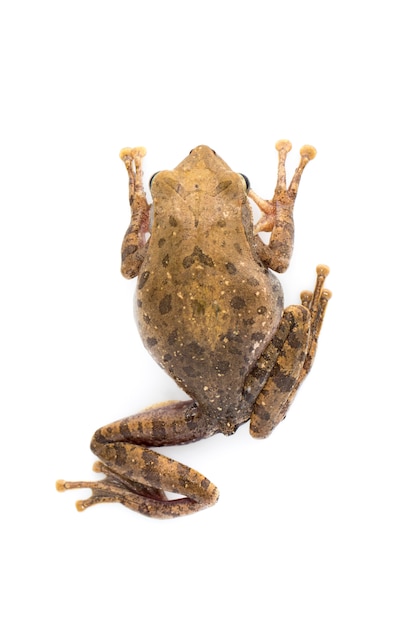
x=317, y=524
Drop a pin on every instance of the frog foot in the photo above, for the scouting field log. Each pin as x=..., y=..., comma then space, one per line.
x=316, y=303
x=113, y=488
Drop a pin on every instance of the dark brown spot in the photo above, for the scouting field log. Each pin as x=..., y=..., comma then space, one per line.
x=221, y=223
x=238, y=248
x=128, y=250
x=125, y=430
x=98, y=437
x=222, y=367
x=237, y=303
x=258, y=373
x=253, y=282
x=139, y=303
x=165, y=305
x=151, y=341
x=161, y=242
x=223, y=184
x=282, y=381
x=194, y=350
x=231, y=268
x=165, y=260
x=257, y=336
x=261, y=310
x=121, y=454
x=142, y=279
x=261, y=412
x=188, y=261
x=248, y=396
x=190, y=371
x=205, y=483
x=158, y=432
x=172, y=221
x=197, y=255
x=167, y=357
x=172, y=337
x=203, y=258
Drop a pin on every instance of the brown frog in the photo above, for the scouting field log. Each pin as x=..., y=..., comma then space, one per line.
x=211, y=313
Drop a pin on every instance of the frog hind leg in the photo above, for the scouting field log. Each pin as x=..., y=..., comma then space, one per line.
x=287, y=361
x=137, y=476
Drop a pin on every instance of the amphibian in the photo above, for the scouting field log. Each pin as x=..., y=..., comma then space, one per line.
x=209, y=309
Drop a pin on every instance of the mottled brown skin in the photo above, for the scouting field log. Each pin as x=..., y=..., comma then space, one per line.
x=210, y=312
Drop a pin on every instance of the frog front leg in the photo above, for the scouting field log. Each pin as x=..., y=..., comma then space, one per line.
x=281, y=369
x=137, y=476
x=277, y=215
x=134, y=242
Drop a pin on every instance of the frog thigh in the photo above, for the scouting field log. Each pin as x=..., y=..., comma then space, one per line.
x=138, y=477
x=291, y=342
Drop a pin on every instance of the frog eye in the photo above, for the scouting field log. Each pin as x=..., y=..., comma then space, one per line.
x=246, y=179
x=151, y=179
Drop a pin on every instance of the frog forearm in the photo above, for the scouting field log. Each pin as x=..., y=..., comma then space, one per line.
x=134, y=242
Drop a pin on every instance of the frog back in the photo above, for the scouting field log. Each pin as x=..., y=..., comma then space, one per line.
x=206, y=306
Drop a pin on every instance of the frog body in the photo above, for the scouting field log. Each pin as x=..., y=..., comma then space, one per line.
x=206, y=306
x=210, y=311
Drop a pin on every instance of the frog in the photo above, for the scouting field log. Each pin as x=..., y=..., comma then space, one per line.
x=210, y=310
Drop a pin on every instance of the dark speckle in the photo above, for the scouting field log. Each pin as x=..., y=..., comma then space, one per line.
x=151, y=341
x=261, y=310
x=172, y=337
x=194, y=349
x=261, y=412
x=172, y=221
x=165, y=304
x=165, y=260
x=222, y=367
x=188, y=261
x=237, y=303
x=257, y=336
x=128, y=250
x=190, y=371
x=121, y=455
x=142, y=280
x=203, y=258
x=161, y=242
x=258, y=373
x=197, y=255
x=158, y=432
x=231, y=268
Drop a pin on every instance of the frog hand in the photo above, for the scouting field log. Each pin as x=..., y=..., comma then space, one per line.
x=277, y=215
